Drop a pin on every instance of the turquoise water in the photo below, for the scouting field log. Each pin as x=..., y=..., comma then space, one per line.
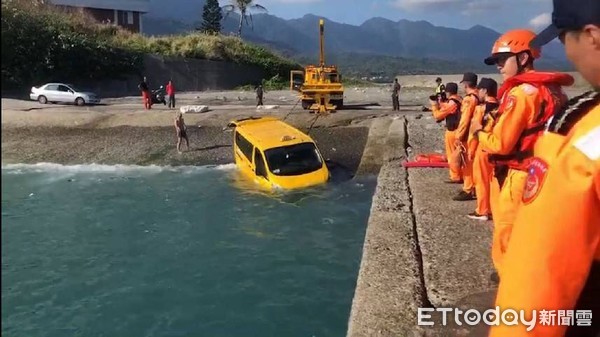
x=129, y=251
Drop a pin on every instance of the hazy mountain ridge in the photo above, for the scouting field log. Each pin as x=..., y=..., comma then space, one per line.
x=376, y=38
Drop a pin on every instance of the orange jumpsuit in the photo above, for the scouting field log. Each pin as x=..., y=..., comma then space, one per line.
x=440, y=113
x=469, y=103
x=520, y=109
x=482, y=169
x=553, y=261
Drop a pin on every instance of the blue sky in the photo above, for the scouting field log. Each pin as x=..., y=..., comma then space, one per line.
x=496, y=14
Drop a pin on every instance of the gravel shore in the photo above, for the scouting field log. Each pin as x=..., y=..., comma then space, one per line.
x=120, y=131
x=154, y=145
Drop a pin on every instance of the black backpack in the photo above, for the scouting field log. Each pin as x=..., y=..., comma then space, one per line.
x=453, y=119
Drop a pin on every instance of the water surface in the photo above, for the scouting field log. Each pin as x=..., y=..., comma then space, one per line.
x=129, y=251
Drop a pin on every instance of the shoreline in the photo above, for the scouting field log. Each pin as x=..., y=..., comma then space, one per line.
x=144, y=146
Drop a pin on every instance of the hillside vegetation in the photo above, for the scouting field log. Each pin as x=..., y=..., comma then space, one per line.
x=41, y=43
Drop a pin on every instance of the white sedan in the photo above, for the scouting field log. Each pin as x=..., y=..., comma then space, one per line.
x=59, y=92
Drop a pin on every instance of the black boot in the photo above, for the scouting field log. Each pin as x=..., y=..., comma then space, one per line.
x=464, y=196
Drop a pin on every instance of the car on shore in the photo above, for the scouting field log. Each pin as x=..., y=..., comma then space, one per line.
x=275, y=155
x=62, y=93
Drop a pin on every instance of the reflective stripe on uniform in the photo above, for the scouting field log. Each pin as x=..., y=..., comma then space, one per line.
x=589, y=144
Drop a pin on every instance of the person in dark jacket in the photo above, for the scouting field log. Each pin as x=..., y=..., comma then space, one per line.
x=395, y=95
x=259, y=95
x=146, y=96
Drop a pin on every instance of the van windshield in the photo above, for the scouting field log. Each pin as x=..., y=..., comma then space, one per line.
x=294, y=159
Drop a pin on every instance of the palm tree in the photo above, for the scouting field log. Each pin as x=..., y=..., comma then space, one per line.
x=243, y=7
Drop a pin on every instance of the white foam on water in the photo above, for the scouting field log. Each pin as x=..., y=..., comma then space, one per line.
x=101, y=168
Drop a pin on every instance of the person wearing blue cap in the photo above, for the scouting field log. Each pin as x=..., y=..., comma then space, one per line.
x=553, y=260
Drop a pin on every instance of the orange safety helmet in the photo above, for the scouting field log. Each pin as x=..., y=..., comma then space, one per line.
x=513, y=42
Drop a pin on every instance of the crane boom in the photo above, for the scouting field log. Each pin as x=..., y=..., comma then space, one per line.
x=322, y=42
x=320, y=85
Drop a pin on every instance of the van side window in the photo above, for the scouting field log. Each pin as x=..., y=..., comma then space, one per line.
x=244, y=145
x=260, y=164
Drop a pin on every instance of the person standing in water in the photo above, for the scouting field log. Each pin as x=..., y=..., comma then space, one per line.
x=181, y=129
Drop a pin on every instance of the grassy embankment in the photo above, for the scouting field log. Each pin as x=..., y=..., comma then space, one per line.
x=42, y=43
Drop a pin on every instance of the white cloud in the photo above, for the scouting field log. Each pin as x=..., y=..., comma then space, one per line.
x=295, y=1
x=481, y=6
x=541, y=20
x=465, y=7
x=416, y=4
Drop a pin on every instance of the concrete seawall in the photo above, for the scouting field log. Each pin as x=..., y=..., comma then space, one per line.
x=187, y=74
x=389, y=288
x=420, y=249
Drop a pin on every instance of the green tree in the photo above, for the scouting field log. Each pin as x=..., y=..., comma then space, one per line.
x=244, y=8
x=211, y=17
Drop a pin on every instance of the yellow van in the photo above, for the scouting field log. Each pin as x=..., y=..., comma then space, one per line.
x=277, y=155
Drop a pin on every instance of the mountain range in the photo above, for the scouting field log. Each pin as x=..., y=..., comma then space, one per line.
x=376, y=37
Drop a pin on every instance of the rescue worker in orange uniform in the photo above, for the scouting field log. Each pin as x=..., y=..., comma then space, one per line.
x=553, y=260
x=449, y=111
x=528, y=100
x=468, y=105
x=485, y=114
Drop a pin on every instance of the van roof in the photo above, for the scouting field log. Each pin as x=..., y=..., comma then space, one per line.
x=270, y=132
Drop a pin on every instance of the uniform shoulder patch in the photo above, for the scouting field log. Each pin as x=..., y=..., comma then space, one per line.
x=511, y=100
x=529, y=89
x=589, y=144
x=536, y=175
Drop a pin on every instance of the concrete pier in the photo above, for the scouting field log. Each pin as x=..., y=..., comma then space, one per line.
x=420, y=249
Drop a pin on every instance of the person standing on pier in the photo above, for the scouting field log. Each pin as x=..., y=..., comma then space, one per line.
x=395, y=94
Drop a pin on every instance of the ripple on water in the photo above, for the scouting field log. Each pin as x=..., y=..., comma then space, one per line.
x=124, y=251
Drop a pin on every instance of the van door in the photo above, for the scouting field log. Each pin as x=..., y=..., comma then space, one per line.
x=260, y=169
x=243, y=151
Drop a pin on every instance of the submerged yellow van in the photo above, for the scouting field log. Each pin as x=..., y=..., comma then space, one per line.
x=276, y=155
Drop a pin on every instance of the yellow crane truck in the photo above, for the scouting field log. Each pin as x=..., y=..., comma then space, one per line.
x=320, y=86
